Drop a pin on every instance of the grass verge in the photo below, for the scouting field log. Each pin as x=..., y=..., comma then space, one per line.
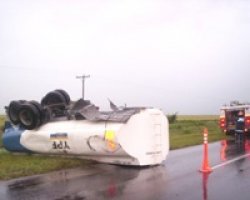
x=198, y=117
x=18, y=165
x=185, y=133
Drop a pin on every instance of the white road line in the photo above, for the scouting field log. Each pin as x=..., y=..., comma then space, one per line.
x=231, y=161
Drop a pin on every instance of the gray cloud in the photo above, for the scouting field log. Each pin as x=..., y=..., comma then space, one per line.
x=186, y=56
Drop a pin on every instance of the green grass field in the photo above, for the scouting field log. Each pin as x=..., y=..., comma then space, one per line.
x=186, y=131
x=17, y=165
x=198, y=117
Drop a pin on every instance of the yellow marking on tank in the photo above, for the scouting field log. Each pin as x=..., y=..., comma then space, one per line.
x=110, y=138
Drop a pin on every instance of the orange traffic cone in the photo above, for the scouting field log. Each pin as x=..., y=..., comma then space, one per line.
x=205, y=168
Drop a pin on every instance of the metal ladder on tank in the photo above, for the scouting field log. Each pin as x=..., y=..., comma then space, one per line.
x=157, y=136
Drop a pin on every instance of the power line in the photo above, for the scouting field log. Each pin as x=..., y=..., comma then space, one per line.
x=83, y=77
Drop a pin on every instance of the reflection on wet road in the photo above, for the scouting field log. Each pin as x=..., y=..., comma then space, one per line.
x=178, y=178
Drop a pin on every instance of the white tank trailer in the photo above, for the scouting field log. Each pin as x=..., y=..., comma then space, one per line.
x=127, y=136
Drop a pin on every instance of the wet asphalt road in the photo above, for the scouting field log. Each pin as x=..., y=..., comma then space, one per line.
x=178, y=178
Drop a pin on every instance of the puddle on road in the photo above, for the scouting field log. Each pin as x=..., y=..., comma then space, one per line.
x=232, y=148
x=46, y=186
x=111, y=182
x=22, y=184
x=229, y=150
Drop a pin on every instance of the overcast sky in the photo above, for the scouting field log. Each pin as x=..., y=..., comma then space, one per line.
x=185, y=56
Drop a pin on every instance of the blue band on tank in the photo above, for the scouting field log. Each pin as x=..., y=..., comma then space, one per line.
x=11, y=138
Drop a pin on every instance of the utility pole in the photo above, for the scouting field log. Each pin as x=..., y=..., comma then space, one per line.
x=83, y=77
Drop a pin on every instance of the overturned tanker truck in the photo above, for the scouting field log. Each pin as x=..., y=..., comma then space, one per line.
x=58, y=126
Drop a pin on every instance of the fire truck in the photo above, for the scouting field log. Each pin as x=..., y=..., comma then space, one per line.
x=229, y=114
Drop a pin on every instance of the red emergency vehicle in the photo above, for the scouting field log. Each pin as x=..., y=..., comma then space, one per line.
x=229, y=114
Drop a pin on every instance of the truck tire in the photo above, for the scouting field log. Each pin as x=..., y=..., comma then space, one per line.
x=54, y=98
x=65, y=95
x=29, y=116
x=41, y=111
x=13, y=110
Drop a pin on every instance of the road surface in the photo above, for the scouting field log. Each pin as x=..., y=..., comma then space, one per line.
x=177, y=179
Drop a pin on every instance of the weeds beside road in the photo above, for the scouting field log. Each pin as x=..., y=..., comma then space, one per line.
x=185, y=133
x=18, y=165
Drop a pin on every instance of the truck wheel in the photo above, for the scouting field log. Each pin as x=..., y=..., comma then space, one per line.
x=13, y=111
x=29, y=116
x=40, y=110
x=54, y=98
x=65, y=95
